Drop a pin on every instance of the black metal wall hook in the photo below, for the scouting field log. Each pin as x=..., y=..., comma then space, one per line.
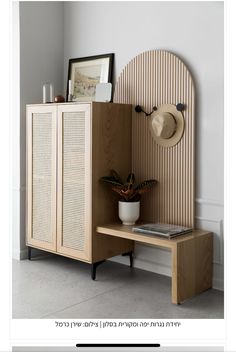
x=180, y=107
x=138, y=108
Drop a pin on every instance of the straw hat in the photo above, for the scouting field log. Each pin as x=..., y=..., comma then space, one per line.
x=167, y=125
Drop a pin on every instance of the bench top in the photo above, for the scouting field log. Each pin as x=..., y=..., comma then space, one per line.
x=125, y=231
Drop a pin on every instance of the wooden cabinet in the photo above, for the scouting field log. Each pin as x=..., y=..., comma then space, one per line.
x=69, y=147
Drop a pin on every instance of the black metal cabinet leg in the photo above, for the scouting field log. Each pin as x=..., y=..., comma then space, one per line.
x=94, y=269
x=131, y=260
x=29, y=253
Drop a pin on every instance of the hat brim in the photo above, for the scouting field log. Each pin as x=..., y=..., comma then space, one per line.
x=173, y=140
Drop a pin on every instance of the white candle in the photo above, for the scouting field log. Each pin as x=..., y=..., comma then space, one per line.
x=69, y=87
x=51, y=93
x=44, y=94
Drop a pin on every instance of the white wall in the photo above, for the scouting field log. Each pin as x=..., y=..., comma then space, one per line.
x=195, y=32
x=16, y=130
x=41, y=60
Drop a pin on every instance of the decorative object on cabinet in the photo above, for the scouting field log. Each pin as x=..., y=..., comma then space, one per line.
x=69, y=147
x=48, y=93
x=69, y=96
x=59, y=99
x=86, y=72
x=103, y=92
x=156, y=78
x=130, y=194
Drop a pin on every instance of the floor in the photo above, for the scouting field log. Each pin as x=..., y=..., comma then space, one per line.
x=56, y=287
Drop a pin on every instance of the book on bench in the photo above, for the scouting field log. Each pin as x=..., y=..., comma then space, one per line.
x=164, y=230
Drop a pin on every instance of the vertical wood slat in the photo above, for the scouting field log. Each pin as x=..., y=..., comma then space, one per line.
x=153, y=78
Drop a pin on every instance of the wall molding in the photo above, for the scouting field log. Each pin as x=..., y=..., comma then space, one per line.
x=163, y=269
x=20, y=255
x=215, y=226
x=19, y=189
x=211, y=202
x=218, y=284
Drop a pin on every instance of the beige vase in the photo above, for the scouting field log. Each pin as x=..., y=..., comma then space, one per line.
x=129, y=212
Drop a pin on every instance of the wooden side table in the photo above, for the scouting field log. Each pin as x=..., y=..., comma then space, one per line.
x=192, y=258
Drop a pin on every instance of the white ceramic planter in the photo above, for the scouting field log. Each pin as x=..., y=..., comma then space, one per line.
x=129, y=212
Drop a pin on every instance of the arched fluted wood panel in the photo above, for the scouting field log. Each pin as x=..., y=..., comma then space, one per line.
x=153, y=78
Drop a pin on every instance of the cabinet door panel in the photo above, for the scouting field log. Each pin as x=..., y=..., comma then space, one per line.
x=41, y=177
x=74, y=181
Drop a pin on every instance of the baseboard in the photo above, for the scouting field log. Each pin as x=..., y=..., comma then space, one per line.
x=23, y=253
x=20, y=255
x=218, y=284
x=156, y=268
x=161, y=269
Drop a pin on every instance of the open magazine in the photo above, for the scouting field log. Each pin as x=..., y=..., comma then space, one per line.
x=165, y=230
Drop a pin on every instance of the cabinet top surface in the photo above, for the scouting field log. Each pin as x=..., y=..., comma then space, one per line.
x=75, y=103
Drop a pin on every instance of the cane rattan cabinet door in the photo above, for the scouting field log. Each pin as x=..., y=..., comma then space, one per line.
x=41, y=176
x=74, y=181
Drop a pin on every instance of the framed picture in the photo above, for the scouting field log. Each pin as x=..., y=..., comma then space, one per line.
x=85, y=73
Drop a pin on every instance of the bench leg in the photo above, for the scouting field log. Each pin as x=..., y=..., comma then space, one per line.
x=191, y=267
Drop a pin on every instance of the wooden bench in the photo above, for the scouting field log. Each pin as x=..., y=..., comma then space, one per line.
x=192, y=257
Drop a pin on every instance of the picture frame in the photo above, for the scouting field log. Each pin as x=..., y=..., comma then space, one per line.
x=85, y=73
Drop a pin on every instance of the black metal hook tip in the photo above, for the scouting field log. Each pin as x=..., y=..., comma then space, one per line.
x=180, y=107
x=138, y=108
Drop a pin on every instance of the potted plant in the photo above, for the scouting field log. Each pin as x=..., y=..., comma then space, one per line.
x=130, y=194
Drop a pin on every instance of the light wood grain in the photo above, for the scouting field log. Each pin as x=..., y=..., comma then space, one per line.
x=126, y=231
x=111, y=149
x=192, y=267
x=192, y=257
x=107, y=146
x=150, y=79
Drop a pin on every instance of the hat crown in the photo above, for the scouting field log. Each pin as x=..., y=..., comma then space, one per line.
x=167, y=125
x=164, y=125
